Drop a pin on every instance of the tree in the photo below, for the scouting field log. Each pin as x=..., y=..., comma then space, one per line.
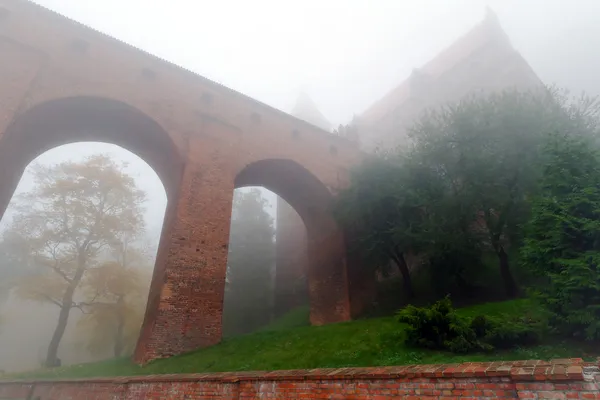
x=562, y=242
x=382, y=211
x=452, y=249
x=248, y=297
x=487, y=152
x=15, y=262
x=461, y=186
x=73, y=213
x=115, y=296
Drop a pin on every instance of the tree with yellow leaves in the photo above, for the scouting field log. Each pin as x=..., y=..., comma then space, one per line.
x=74, y=213
x=116, y=292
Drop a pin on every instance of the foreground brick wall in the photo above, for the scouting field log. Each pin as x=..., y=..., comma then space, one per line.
x=558, y=379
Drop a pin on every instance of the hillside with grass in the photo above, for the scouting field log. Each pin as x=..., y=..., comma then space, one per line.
x=482, y=240
x=288, y=345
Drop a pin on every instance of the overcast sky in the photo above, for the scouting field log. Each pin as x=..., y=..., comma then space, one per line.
x=345, y=53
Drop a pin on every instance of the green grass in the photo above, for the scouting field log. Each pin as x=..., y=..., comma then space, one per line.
x=296, y=318
x=284, y=345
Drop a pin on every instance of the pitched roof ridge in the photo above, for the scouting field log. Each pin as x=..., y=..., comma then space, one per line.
x=307, y=110
x=482, y=33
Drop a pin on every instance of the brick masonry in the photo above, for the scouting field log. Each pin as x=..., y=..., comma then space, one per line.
x=557, y=379
x=63, y=82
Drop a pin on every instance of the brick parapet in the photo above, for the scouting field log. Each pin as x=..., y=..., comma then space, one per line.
x=534, y=379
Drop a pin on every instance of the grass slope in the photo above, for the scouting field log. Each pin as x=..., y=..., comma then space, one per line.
x=369, y=342
x=296, y=318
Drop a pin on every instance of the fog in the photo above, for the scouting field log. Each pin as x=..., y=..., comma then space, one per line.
x=345, y=54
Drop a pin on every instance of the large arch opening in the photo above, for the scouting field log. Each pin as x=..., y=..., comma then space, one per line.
x=326, y=272
x=267, y=265
x=27, y=325
x=85, y=119
x=248, y=301
x=90, y=119
x=291, y=264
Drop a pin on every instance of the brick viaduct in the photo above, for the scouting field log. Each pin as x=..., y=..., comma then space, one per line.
x=61, y=82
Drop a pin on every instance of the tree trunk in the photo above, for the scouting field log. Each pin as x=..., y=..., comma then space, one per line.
x=510, y=286
x=406, y=279
x=63, y=319
x=119, y=339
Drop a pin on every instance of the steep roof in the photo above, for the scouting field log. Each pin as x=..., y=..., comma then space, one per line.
x=306, y=109
x=481, y=60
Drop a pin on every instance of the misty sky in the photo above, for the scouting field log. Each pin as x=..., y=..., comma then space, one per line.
x=345, y=53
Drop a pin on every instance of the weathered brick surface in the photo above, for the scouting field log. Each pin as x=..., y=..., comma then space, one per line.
x=559, y=379
x=62, y=82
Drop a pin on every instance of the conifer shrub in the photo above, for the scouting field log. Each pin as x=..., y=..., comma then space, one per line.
x=562, y=240
x=440, y=327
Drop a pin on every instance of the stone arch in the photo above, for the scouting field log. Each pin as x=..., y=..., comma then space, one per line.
x=328, y=289
x=86, y=119
x=83, y=119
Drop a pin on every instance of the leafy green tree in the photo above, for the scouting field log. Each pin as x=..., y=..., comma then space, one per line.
x=461, y=187
x=73, y=212
x=383, y=211
x=486, y=151
x=248, y=302
x=454, y=253
x=562, y=243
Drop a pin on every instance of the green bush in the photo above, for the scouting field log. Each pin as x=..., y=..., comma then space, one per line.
x=508, y=333
x=439, y=327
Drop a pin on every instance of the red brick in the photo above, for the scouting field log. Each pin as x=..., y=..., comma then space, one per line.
x=525, y=394
x=348, y=383
x=202, y=139
x=589, y=395
x=551, y=395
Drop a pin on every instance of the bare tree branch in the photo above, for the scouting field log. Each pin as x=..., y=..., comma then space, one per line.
x=50, y=299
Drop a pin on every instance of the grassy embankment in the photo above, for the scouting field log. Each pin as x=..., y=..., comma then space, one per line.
x=290, y=344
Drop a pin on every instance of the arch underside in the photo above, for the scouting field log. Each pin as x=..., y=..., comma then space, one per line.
x=85, y=119
x=310, y=198
x=296, y=185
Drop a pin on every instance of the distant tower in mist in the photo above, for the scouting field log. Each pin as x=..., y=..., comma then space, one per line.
x=291, y=240
x=306, y=110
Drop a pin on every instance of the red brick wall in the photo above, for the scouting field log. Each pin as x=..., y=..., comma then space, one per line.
x=558, y=379
x=62, y=83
